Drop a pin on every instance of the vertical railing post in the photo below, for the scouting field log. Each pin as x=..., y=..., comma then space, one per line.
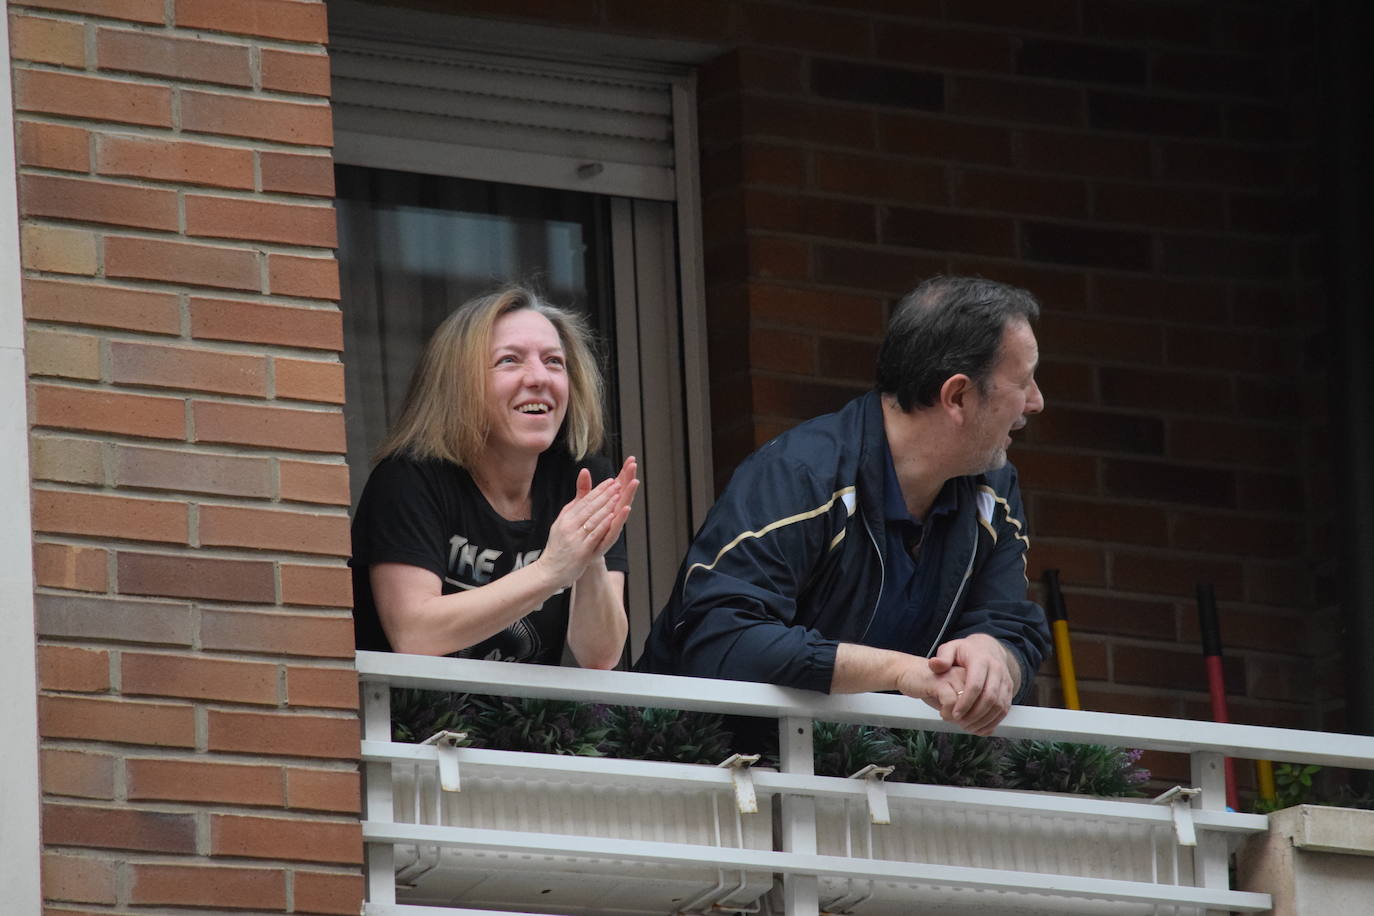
x=1211, y=866
x=801, y=893
x=377, y=801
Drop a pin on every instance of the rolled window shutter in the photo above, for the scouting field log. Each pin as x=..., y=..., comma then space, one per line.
x=542, y=122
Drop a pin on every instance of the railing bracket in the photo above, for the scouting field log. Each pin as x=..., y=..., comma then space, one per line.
x=446, y=746
x=743, y=778
x=1180, y=805
x=873, y=776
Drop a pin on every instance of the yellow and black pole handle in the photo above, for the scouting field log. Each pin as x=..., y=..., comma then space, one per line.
x=1063, y=652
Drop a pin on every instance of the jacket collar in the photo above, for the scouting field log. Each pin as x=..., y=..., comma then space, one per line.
x=872, y=456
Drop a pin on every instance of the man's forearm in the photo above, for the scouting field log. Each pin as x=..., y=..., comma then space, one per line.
x=1015, y=667
x=864, y=669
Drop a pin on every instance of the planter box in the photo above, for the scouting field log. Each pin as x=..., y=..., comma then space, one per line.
x=1315, y=861
x=1053, y=844
x=941, y=828
x=572, y=884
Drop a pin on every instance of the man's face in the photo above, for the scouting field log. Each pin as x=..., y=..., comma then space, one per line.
x=1010, y=399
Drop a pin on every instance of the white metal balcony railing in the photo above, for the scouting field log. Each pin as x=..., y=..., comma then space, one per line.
x=480, y=831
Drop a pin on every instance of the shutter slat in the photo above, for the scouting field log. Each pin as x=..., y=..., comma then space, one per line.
x=573, y=111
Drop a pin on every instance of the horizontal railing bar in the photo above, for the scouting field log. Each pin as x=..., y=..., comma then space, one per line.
x=746, y=698
x=401, y=909
x=656, y=774
x=808, y=864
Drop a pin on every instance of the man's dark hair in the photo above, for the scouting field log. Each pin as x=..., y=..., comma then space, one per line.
x=947, y=326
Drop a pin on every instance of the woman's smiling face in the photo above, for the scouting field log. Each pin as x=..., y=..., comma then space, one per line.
x=527, y=383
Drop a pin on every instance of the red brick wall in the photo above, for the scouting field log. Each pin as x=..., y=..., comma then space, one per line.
x=1146, y=168
x=197, y=702
x=1142, y=166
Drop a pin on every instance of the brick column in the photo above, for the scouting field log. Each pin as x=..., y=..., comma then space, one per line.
x=197, y=702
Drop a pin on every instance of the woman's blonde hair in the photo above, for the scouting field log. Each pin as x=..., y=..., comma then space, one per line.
x=444, y=414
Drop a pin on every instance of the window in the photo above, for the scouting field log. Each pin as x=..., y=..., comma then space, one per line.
x=414, y=247
x=459, y=169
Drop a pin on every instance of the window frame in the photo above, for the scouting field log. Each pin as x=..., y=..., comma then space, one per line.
x=656, y=243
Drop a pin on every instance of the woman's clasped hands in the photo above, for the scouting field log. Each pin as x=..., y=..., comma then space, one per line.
x=590, y=523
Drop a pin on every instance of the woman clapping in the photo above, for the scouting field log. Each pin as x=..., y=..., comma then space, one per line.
x=489, y=527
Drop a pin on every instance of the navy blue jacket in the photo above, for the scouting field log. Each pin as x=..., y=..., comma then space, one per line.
x=789, y=563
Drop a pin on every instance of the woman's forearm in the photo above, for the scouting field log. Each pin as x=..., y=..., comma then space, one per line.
x=596, y=618
x=419, y=620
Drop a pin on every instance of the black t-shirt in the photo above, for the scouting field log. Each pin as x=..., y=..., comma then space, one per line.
x=431, y=514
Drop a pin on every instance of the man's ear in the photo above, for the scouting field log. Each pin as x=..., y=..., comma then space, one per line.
x=955, y=396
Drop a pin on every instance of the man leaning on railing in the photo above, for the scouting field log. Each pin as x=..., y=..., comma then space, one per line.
x=883, y=547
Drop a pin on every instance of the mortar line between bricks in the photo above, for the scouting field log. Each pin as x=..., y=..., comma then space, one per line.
x=120, y=130
x=196, y=642
x=134, y=284
x=291, y=610
x=218, y=861
x=108, y=457
x=1103, y=591
x=184, y=315
x=1237, y=515
x=202, y=728
x=259, y=247
x=84, y=16
x=858, y=385
x=174, y=82
x=777, y=324
x=204, y=839
x=130, y=27
x=114, y=490
x=333, y=766
x=207, y=345
x=39, y=12
x=264, y=504
x=330, y=867
x=261, y=95
x=214, y=142
x=275, y=476
x=245, y=195
x=111, y=573
x=277, y=583
x=241, y=39
x=1013, y=126
x=255, y=66
x=165, y=550
x=106, y=358
x=196, y=83
x=88, y=41
x=138, y=546
x=116, y=673
x=198, y=344
x=191, y=449
x=191, y=395
x=258, y=709
x=269, y=711
x=195, y=806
